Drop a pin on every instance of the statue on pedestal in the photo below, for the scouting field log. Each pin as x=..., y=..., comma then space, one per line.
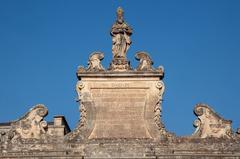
x=121, y=42
x=120, y=33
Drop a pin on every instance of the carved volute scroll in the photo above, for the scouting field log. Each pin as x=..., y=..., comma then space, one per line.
x=145, y=62
x=82, y=109
x=83, y=112
x=210, y=124
x=31, y=125
x=158, y=107
x=160, y=69
x=158, y=110
x=94, y=62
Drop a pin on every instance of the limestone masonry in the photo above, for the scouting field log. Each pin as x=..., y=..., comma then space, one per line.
x=120, y=111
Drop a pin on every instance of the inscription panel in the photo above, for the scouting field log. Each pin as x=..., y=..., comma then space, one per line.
x=119, y=112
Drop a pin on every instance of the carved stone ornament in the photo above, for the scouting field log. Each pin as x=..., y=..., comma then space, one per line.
x=31, y=125
x=94, y=62
x=83, y=112
x=81, y=69
x=238, y=133
x=158, y=107
x=210, y=124
x=145, y=62
x=160, y=69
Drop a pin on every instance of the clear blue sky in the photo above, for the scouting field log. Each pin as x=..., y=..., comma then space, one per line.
x=198, y=43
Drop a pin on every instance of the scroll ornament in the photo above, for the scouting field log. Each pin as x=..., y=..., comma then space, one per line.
x=158, y=107
x=83, y=112
x=210, y=124
x=94, y=62
x=30, y=126
x=145, y=62
x=80, y=85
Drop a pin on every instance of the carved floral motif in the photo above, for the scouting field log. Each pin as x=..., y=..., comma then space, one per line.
x=210, y=124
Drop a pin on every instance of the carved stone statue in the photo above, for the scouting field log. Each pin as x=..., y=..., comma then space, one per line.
x=120, y=33
x=121, y=41
x=210, y=124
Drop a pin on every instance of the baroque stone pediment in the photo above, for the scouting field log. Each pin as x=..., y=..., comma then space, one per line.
x=120, y=116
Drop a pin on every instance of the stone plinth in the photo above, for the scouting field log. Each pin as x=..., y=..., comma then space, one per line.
x=120, y=64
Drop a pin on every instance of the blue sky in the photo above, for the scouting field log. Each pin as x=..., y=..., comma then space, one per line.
x=43, y=42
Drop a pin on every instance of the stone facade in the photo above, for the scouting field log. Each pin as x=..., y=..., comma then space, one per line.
x=120, y=111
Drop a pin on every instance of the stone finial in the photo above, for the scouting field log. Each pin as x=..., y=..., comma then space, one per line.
x=210, y=124
x=145, y=62
x=31, y=125
x=94, y=62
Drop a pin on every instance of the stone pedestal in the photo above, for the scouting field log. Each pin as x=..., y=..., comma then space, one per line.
x=120, y=64
x=119, y=105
